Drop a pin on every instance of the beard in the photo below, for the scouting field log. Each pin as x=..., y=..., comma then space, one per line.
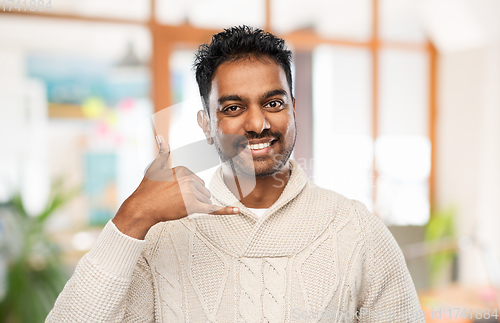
x=230, y=150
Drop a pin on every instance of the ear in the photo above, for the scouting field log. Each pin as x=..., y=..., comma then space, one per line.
x=204, y=123
x=293, y=107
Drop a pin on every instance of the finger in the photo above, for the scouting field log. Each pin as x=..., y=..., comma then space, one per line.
x=201, y=188
x=228, y=210
x=182, y=171
x=202, y=197
x=218, y=210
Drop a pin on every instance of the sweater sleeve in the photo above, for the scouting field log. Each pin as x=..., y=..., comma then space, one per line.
x=389, y=294
x=110, y=283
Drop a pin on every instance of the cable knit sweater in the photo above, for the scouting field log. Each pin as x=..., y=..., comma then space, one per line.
x=314, y=256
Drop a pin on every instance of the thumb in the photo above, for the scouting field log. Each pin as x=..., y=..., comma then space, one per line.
x=160, y=162
x=163, y=146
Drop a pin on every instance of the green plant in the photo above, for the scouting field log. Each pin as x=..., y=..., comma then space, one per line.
x=35, y=274
x=440, y=227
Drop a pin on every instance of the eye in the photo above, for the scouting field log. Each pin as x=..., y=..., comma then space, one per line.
x=275, y=105
x=231, y=109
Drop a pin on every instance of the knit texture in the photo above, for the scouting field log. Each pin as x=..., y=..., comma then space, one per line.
x=314, y=256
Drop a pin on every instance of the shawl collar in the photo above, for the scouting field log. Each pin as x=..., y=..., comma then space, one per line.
x=221, y=193
x=273, y=234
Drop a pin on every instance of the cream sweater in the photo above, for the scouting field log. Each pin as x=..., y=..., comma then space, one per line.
x=315, y=256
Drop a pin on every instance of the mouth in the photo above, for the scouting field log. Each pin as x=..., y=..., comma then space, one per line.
x=261, y=148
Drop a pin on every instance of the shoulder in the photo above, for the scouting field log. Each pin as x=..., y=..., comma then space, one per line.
x=345, y=209
x=320, y=195
x=351, y=214
x=165, y=237
x=159, y=235
x=379, y=242
x=368, y=221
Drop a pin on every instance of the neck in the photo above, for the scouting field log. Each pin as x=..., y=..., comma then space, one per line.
x=267, y=189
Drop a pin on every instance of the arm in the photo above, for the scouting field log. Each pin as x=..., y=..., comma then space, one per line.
x=387, y=287
x=105, y=287
x=98, y=290
x=140, y=301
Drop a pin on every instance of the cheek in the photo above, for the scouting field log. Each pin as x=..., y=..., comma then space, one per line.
x=227, y=132
x=229, y=126
x=287, y=125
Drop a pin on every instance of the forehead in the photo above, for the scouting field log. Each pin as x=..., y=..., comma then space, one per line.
x=248, y=77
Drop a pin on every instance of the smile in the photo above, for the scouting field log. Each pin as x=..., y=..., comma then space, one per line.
x=259, y=146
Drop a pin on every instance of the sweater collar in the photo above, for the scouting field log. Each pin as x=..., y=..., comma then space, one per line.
x=235, y=233
x=298, y=179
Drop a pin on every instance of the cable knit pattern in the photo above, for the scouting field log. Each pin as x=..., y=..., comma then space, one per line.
x=140, y=309
x=273, y=300
x=208, y=273
x=170, y=293
x=314, y=251
x=318, y=273
x=251, y=289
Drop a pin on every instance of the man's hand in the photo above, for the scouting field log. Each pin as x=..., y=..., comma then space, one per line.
x=164, y=194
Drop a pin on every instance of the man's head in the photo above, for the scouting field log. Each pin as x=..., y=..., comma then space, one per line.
x=245, y=81
x=236, y=43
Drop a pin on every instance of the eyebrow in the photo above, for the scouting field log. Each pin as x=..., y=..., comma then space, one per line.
x=266, y=95
x=273, y=93
x=225, y=98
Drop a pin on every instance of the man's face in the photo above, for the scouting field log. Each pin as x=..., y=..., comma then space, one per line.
x=250, y=98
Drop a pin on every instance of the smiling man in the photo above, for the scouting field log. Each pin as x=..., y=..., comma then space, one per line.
x=284, y=251
x=250, y=95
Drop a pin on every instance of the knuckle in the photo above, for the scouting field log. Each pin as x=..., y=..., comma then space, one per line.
x=184, y=180
x=178, y=170
x=182, y=169
x=186, y=189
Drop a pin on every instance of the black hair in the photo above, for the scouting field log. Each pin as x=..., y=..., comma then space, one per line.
x=235, y=43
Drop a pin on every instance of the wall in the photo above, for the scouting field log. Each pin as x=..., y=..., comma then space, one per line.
x=468, y=151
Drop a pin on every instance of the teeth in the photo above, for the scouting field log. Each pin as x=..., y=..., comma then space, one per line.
x=258, y=146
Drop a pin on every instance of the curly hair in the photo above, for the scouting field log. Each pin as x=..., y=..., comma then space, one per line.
x=235, y=43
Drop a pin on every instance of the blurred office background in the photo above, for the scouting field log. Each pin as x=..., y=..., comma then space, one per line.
x=398, y=106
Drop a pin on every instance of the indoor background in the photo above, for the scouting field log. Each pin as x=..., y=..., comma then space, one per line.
x=397, y=105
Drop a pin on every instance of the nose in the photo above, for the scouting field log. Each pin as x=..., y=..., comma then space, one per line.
x=256, y=120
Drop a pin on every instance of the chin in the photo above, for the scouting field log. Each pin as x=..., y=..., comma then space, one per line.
x=257, y=170
x=270, y=170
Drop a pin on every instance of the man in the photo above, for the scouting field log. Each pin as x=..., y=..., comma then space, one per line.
x=288, y=251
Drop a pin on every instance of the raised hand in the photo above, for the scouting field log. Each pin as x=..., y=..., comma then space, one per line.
x=165, y=194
